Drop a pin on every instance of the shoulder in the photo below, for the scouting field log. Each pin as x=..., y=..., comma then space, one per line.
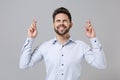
x=46, y=44
x=82, y=44
x=79, y=42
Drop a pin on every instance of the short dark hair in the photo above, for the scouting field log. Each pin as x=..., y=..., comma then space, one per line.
x=62, y=10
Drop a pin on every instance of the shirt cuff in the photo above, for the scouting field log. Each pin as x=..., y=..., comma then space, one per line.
x=95, y=42
x=29, y=41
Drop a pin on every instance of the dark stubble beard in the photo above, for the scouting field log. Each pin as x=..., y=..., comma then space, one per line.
x=61, y=34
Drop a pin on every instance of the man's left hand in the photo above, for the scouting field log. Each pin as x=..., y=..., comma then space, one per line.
x=89, y=30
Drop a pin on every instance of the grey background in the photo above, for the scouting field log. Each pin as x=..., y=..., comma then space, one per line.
x=17, y=15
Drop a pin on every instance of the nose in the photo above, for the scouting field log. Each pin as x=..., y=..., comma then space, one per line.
x=61, y=23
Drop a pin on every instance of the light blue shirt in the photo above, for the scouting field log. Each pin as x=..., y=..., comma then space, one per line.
x=63, y=62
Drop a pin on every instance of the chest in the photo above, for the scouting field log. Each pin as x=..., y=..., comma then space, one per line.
x=67, y=54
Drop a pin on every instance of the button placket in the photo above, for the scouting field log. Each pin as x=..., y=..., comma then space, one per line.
x=62, y=62
x=59, y=68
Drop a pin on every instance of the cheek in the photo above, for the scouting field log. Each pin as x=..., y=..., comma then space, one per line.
x=55, y=26
x=67, y=24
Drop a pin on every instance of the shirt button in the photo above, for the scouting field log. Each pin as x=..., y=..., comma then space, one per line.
x=62, y=55
x=62, y=64
x=62, y=74
x=62, y=45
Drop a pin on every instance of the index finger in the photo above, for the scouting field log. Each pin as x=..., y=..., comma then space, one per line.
x=34, y=23
x=88, y=23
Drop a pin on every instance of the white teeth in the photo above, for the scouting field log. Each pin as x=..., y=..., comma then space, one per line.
x=61, y=28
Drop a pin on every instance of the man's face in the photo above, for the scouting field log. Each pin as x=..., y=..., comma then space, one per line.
x=62, y=24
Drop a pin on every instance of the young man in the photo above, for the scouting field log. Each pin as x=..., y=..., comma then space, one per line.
x=62, y=55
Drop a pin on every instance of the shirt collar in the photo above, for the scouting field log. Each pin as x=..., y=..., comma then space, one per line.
x=69, y=40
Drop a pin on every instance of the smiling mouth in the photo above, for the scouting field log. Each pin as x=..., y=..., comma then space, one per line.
x=61, y=30
x=61, y=27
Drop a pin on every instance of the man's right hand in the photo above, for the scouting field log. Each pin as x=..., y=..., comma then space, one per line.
x=32, y=30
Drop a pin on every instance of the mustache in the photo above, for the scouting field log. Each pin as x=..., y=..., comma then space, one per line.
x=61, y=25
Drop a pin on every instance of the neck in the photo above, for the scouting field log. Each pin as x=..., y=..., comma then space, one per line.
x=63, y=39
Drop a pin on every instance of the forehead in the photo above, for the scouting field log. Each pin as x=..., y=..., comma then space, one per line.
x=61, y=16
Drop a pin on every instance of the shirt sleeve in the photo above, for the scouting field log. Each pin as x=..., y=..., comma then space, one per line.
x=28, y=57
x=95, y=55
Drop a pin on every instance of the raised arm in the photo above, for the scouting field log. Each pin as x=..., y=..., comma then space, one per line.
x=28, y=57
x=94, y=55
